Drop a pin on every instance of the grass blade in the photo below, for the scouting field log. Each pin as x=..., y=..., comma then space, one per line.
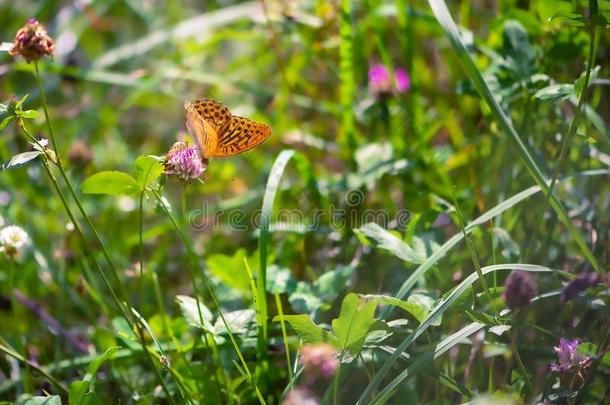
x=438, y=310
x=439, y=8
x=273, y=184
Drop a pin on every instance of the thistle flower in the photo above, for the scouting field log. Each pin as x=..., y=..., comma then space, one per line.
x=184, y=162
x=32, y=42
x=580, y=283
x=519, y=289
x=12, y=240
x=569, y=360
x=319, y=360
x=382, y=84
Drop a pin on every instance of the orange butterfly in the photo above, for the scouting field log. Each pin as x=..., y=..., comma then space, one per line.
x=217, y=132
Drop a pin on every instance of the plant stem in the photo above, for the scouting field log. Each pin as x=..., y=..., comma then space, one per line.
x=594, y=366
x=197, y=293
x=21, y=347
x=195, y=263
x=122, y=292
x=140, y=234
x=475, y=258
x=10, y=352
x=280, y=310
x=571, y=131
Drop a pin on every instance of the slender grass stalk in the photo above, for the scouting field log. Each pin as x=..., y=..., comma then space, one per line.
x=567, y=140
x=197, y=293
x=336, y=381
x=473, y=253
x=347, y=86
x=114, y=273
x=280, y=311
x=55, y=382
x=520, y=364
x=444, y=18
x=195, y=262
x=21, y=346
x=140, y=234
x=158, y=297
x=601, y=349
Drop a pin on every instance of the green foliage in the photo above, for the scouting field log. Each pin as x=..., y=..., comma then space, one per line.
x=81, y=392
x=342, y=228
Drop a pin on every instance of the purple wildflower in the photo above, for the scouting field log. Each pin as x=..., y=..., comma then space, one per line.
x=319, y=360
x=32, y=41
x=382, y=84
x=568, y=358
x=379, y=79
x=403, y=81
x=184, y=162
x=580, y=283
x=519, y=289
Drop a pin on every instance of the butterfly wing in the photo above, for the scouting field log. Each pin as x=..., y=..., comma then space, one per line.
x=205, y=120
x=240, y=135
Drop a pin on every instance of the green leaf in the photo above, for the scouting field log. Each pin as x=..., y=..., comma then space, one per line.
x=280, y=280
x=443, y=305
x=354, y=321
x=441, y=13
x=111, y=183
x=21, y=159
x=28, y=114
x=188, y=306
x=419, y=312
x=148, y=169
x=555, y=92
x=273, y=183
x=239, y=321
x=230, y=270
x=6, y=121
x=573, y=19
x=330, y=284
x=421, y=361
x=385, y=240
x=81, y=391
x=580, y=82
x=38, y=400
x=307, y=330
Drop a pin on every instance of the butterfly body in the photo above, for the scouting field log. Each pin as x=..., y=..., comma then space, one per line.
x=217, y=132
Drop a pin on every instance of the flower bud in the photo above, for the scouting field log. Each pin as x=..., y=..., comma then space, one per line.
x=32, y=42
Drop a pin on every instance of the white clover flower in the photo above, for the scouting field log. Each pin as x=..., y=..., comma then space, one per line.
x=13, y=239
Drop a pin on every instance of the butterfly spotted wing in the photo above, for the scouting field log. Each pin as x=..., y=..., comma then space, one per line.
x=219, y=133
x=242, y=134
x=205, y=119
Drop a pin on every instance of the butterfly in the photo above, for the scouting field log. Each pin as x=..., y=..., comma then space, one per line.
x=217, y=132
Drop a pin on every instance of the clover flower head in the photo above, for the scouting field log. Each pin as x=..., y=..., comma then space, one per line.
x=319, y=359
x=580, y=283
x=382, y=84
x=184, y=162
x=12, y=240
x=519, y=289
x=403, y=81
x=568, y=358
x=32, y=41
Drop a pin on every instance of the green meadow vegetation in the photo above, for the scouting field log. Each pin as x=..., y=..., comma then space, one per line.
x=428, y=222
